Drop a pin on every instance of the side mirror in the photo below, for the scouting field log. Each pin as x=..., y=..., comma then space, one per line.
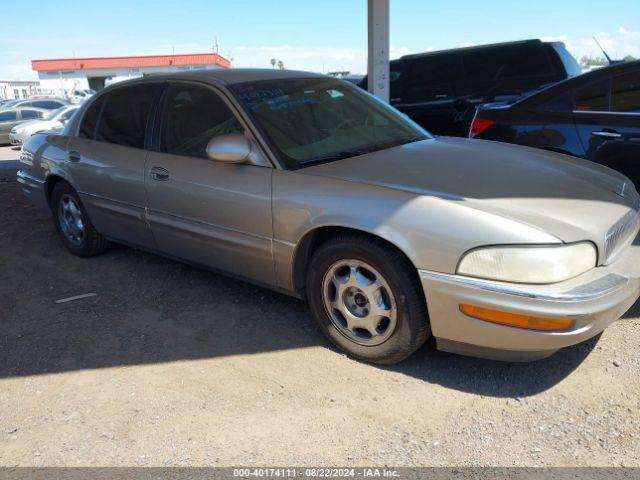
x=231, y=148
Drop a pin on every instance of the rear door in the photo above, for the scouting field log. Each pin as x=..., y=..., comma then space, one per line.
x=208, y=212
x=107, y=161
x=607, y=118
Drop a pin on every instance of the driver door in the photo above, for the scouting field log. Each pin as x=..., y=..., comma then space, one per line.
x=212, y=213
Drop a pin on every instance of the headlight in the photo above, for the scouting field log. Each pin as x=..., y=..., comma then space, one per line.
x=526, y=264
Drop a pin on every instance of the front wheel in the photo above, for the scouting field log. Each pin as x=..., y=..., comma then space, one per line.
x=366, y=299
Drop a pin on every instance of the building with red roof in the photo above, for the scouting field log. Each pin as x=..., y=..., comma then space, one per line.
x=67, y=74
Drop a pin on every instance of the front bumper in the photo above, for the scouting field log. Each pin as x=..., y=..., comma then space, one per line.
x=33, y=188
x=594, y=299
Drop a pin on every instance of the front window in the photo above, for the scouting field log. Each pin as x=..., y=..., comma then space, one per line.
x=31, y=114
x=194, y=115
x=309, y=120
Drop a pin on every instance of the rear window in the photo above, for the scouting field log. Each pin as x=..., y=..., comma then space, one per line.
x=625, y=93
x=125, y=115
x=47, y=104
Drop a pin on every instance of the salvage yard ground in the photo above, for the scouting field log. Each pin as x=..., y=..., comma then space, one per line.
x=171, y=365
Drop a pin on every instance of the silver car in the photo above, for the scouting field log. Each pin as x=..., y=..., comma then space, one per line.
x=52, y=121
x=310, y=186
x=15, y=116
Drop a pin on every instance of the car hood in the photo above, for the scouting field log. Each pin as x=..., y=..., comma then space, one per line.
x=566, y=197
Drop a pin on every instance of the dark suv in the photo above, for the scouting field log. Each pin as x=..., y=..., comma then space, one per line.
x=440, y=90
x=594, y=116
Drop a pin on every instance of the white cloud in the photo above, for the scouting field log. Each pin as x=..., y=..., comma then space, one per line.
x=299, y=57
x=617, y=44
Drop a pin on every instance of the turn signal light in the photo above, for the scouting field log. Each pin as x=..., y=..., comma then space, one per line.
x=479, y=125
x=517, y=320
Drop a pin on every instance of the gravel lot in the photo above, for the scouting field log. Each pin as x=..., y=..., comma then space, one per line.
x=171, y=365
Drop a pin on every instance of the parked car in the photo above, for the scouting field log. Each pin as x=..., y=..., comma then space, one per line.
x=7, y=104
x=311, y=186
x=79, y=96
x=54, y=120
x=41, y=103
x=15, y=116
x=440, y=90
x=595, y=116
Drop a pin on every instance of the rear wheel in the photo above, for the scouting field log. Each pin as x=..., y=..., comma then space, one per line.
x=366, y=299
x=73, y=224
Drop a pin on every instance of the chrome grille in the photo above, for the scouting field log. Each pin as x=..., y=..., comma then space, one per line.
x=622, y=233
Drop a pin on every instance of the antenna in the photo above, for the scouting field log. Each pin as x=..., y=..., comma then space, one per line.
x=603, y=51
x=215, y=44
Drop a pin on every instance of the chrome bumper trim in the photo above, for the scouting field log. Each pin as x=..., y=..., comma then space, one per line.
x=589, y=291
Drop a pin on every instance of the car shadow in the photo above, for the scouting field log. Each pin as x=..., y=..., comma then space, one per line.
x=493, y=378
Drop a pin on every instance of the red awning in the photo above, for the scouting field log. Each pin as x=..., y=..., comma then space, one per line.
x=130, y=62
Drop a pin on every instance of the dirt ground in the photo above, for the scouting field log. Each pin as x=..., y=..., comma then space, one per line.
x=171, y=365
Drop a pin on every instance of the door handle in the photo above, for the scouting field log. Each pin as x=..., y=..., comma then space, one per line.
x=607, y=134
x=74, y=156
x=159, y=174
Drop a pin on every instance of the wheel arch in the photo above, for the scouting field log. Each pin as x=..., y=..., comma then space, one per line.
x=315, y=237
x=50, y=182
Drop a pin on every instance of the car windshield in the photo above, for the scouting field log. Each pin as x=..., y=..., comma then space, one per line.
x=311, y=120
x=54, y=113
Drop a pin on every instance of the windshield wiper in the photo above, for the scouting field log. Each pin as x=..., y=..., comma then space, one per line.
x=337, y=156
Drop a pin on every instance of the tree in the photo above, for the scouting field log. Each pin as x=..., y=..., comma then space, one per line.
x=280, y=64
x=629, y=58
x=273, y=63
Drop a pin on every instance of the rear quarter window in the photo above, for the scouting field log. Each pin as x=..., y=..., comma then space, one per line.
x=90, y=119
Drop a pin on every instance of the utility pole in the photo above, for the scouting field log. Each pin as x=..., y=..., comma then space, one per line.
x=378, y=51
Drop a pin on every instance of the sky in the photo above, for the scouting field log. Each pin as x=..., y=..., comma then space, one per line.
x=316, y=35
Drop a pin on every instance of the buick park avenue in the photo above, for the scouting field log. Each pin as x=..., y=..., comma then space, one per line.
x=311, y=186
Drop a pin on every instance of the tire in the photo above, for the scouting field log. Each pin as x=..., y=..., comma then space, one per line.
x=393, y=311
x=80, y=237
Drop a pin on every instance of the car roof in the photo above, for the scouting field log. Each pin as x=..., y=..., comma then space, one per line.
x=476, y=47
x=18, y=109
x=226, y=76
